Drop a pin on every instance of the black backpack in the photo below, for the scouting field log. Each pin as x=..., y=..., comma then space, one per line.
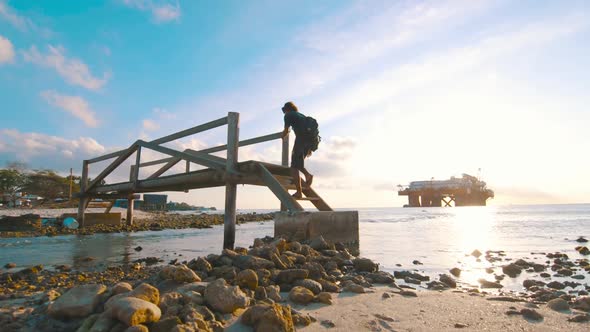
x=312, y=134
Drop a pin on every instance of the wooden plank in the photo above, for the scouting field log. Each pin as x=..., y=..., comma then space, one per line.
x=205, y=161
x=200, y=176
x=174, y=161
x=215, y=149
x=285, y=160
x=274, y=186
x=229, y=221
x=109, y=169
x=320, y=204
x=83, y=200
x=108, y=209
x=106, y=156
x=130, y=209
x=135, y=179
x=191, y=131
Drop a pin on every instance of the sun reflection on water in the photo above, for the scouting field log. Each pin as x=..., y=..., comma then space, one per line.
x=473, y=228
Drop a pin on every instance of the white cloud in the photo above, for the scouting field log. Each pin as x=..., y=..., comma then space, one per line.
x=20, y=22
x=164, y=113
x=28, y=146
x=75, y=105
x=6, y=50
x=150, y=125
x=73, y=70
x=162, y=11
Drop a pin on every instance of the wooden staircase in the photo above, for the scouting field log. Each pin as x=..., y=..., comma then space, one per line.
x=278, y=179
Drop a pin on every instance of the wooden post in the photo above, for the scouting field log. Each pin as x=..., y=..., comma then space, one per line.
x=135, y=179
x=71, y=183
x=188, y=170
x=229, y=226
x=130, y=203
x=84, y=199
x=285, y=160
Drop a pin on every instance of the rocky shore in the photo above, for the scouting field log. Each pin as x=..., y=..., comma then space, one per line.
x=31, y=225
x=280, y=285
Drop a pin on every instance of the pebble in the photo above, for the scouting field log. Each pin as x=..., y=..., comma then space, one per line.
x=328, y=323
x=531, y=314
x=460, y=325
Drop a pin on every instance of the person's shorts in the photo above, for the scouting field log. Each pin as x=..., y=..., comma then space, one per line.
x=298, y=155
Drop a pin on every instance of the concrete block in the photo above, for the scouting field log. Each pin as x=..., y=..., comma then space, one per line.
x=111, y=218
x=334, y=226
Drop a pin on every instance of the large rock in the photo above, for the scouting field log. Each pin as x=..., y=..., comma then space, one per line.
x=247, y=279
x=133, y=311
x=144, y=292
x=312, y=285
x=329, y=286
x=274, y=317
x=558, y=304
x=104, y=323
x=365, y=265
x=224, y=298
x=121, y=287
x=200, y=264
x=301, y=295
x=289, y=276
x=79, y=301
x=448, y=280
x=251, y=262
x=512, y=270
x=179, y=273
x=319, y=243
x=381, y=277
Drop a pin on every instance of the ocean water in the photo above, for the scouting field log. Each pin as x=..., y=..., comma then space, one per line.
x=440, y=238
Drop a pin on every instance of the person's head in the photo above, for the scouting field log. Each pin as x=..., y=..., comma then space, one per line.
x=289, y=107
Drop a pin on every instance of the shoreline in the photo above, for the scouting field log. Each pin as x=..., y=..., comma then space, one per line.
x=289, y=284
x=29, y=224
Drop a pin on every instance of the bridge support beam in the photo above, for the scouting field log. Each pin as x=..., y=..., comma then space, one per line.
x=229, y=222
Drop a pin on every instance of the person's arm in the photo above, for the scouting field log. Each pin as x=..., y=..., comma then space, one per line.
x=285, y=132
x=287, y=125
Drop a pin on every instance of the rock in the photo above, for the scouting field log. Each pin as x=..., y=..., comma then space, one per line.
x=328, y=324
x=460, y=325
x=179, y=273
x=88, y=322
x=319, y=243
x=324, y=297
x=301, y=295
x=121, y=287
x=489, y=284
x=300, y=319
x=133, y=311
x=408, y=293
x=436, y=285
x=583, y=250
x=224, y=298
x=448, y=280
x=417, y=262
x=104, y=323
x=531, y=314
x=273, y=317
x=137, y=328
x=312, y=285
x=226, y=272
x=138, y=248
x=193, y=297
x=279, y=264
x=79, y=301
x=200, y=264
x=273, y=293
x=354, y=288
x=381, y=277
x=165, y=325
x=251, y=262
x=365, y=265
x=386, y=296
x=169, y=300
x=512, y=270
x=565, y=272
x=247, y=279
x=10, y=265
x=558, y=304
x=581, y=239
x=556, y=285
x=581, y=318
x=144, y=292
x=476, y=253
x=455, y=272
x=412, y=275
x=582, y=303
x=328, y=286
x=289, y=276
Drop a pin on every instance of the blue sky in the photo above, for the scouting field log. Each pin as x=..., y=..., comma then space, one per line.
x=403, y=90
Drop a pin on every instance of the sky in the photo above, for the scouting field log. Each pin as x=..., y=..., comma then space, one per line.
x=402, y=90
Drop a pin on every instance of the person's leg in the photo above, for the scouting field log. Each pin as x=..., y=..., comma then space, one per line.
x=296, y=166
x=308, y=177
x=297, y=182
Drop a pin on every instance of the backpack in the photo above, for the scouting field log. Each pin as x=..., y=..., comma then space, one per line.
x=312, y=134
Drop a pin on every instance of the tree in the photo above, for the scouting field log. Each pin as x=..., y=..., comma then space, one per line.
x=12, y=182
x=48, y=184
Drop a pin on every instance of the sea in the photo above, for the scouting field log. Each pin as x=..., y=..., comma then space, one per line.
x=428, y=240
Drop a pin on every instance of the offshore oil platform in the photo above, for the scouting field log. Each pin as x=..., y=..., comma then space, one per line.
x=464, y=191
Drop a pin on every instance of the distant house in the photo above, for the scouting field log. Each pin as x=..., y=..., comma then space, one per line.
x=154, y=202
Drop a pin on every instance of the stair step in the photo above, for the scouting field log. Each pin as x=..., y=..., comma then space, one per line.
x=308, y=199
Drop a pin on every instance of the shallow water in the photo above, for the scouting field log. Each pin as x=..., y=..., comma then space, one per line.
x=440, y=238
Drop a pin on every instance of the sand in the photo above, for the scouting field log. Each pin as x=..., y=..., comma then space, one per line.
x=430, y=311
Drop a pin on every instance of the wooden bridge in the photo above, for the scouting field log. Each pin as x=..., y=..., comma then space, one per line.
x=228, y=172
